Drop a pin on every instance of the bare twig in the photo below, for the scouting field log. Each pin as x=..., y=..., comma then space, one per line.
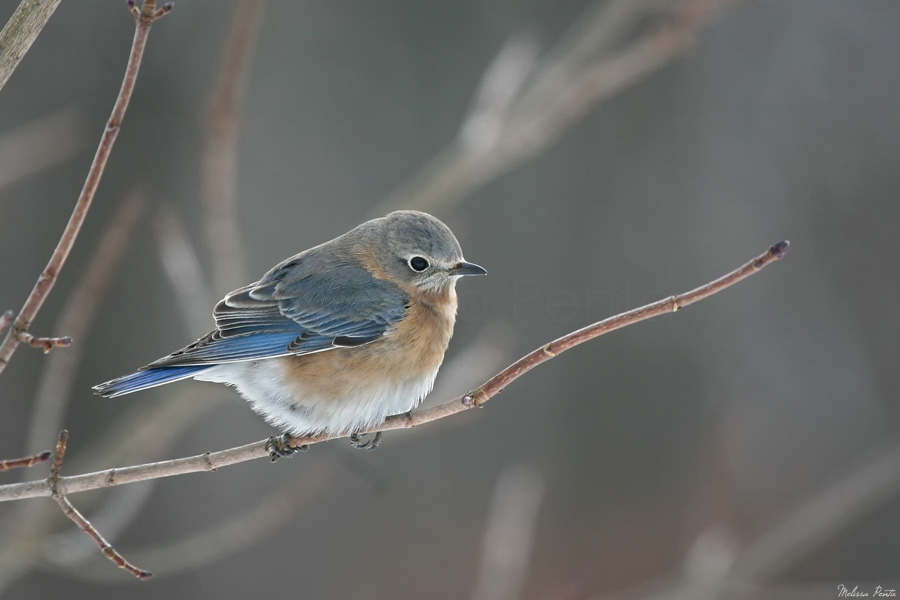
x=31, y=526
x=20, y=32
x=220, y=167
x=144, y=19
x=54, y=388
x=27, y=461
x=142, y=432
x=116, y=510
x=498, y=382
x=233, y=533
x=212, y=461
x=6, y=319
x=70, y=511
x=44, y=343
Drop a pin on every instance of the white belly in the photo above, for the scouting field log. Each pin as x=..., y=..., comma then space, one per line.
x=305, y=413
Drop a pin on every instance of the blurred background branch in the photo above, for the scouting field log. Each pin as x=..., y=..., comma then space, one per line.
x=524, y=105
x=509, y=534
x=223, y=234
x=718, y=566
x=34, y=146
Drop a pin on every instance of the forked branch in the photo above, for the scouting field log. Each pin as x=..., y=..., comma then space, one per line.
x=70, y=511
x=18, y=333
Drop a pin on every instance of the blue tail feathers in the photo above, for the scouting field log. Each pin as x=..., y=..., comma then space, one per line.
x=147, y=379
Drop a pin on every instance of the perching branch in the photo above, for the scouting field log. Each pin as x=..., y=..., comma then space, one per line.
x=498, y=382
x=70, y=511
x=212, y=461
x=20, y=32
x=144, y=19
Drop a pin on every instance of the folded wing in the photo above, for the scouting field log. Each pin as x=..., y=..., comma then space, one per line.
x=299, y=307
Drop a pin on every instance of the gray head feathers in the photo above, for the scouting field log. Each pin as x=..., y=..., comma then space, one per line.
x=414, y=248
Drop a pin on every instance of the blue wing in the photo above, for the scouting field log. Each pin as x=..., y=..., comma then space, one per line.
x=308, y=303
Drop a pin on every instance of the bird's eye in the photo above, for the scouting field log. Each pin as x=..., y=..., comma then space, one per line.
x=418, y=264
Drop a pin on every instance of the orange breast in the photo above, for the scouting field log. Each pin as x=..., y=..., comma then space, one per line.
x=412, y=350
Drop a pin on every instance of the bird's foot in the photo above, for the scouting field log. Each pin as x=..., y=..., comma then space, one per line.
x=279, y=446
x=359, y=444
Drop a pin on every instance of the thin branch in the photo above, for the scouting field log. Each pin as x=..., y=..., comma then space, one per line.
x=27, y=461
x=144, y=19
x=223, y=235
x=497, y=383
x=212, y=461
x=33, y=526
x=44, y=343
x=232, y=534
x=118, y=508
x=55, y=385
x=6, y=319
x=70, y=511
x=142, y=432
x=20, y=32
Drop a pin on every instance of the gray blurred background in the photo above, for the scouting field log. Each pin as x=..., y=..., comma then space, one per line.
x=744, y=447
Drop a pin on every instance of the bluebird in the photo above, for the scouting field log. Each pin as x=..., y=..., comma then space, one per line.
x=335, y=339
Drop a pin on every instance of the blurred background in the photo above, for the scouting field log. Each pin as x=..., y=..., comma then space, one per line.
x=593, y=156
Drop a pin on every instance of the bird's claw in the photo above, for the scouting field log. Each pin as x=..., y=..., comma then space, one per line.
x=279, y=446
x=359, y=444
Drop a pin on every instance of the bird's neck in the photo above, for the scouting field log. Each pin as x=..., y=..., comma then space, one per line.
x=440, y=300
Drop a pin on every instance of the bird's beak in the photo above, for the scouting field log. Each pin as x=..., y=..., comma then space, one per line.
x=467, y=268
